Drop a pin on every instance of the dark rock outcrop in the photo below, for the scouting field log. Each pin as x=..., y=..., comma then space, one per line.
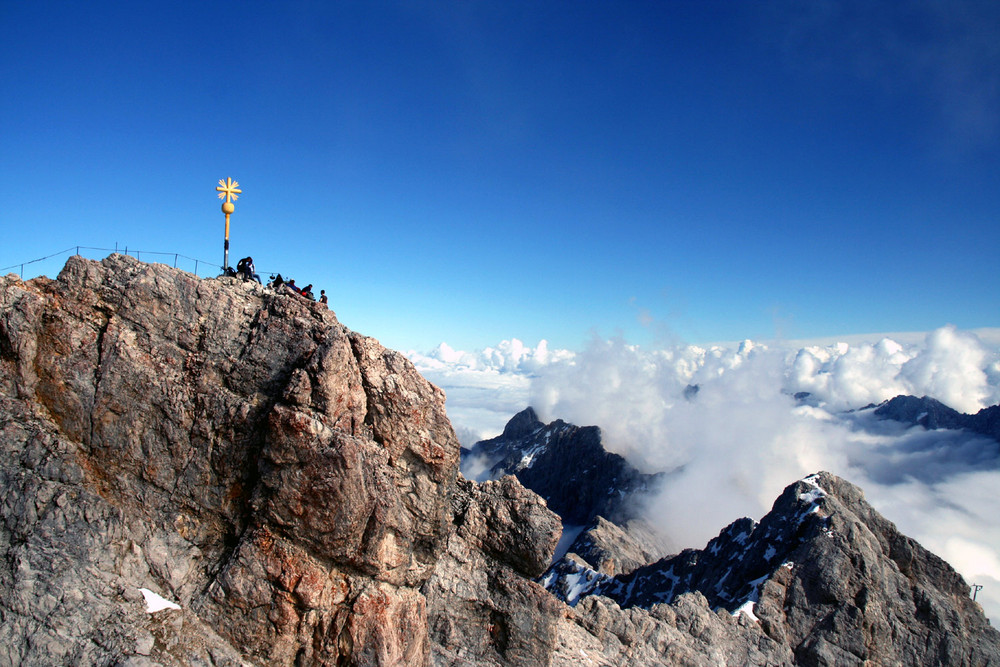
x=568, y=466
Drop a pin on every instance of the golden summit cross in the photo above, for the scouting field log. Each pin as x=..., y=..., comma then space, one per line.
x=229, y=189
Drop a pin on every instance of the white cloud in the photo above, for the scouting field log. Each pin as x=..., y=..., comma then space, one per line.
x=509, y=356
x=952, y=369
x=485, y=388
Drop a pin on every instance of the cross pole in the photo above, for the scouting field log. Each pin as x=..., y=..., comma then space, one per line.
x=229, y=190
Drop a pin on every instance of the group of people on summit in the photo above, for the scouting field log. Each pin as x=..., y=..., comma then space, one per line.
x=245, y=269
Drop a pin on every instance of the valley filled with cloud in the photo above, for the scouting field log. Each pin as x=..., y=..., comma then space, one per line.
x=733, y=424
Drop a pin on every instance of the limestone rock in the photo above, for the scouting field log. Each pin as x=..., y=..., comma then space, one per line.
x=612, y=549
x=283, y=479
x=483, y=607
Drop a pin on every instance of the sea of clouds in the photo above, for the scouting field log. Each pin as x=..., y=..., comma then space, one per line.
x=743, y=437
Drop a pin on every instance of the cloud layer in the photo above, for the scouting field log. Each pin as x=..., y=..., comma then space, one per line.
x=743, y=436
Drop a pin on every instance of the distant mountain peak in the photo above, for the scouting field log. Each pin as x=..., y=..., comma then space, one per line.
x=522, y=424
x=565, y=464
x=933, y=414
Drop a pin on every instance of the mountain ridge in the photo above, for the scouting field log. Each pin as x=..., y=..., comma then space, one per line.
x=794, y=573
x=933, y=414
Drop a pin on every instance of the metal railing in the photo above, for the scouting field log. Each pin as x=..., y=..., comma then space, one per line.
x=193, y=262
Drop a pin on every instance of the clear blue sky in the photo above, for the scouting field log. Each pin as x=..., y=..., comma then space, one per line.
x=474, y=171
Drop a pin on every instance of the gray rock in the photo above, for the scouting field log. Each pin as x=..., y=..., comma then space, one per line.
x=611, y=549
x=482, y=606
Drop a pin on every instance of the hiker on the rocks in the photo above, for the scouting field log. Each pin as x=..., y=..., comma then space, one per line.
x=292, y=286
x=245, y=269
x=307, y=292
x=322, y=296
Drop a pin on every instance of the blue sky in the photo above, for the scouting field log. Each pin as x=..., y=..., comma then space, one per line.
x=471, y=172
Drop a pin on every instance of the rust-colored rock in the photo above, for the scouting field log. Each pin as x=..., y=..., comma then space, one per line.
x=238, y=451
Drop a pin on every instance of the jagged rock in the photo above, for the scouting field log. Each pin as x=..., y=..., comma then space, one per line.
x=568, y=466
x=293, y=487
x=611, y=549
x=824, y=574
x=483, y=607
x=283, y=479
x=686, y=633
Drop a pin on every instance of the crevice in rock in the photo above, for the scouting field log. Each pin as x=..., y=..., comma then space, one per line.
x=370, y=397
x=7, y=352
x=98, y=373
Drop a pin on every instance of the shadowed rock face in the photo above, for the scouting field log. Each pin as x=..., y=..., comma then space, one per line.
x=568, y=466
x=294, y=487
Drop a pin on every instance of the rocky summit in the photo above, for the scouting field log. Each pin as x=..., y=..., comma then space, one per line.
x=206, y=472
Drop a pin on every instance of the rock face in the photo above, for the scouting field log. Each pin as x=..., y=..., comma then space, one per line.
x=483, y=607
x=293, y=486
x=286, y=481
x=568, y=466
x=612, y=549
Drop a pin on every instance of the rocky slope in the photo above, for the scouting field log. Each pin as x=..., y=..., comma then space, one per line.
x=293, y=486
x=823, y=575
